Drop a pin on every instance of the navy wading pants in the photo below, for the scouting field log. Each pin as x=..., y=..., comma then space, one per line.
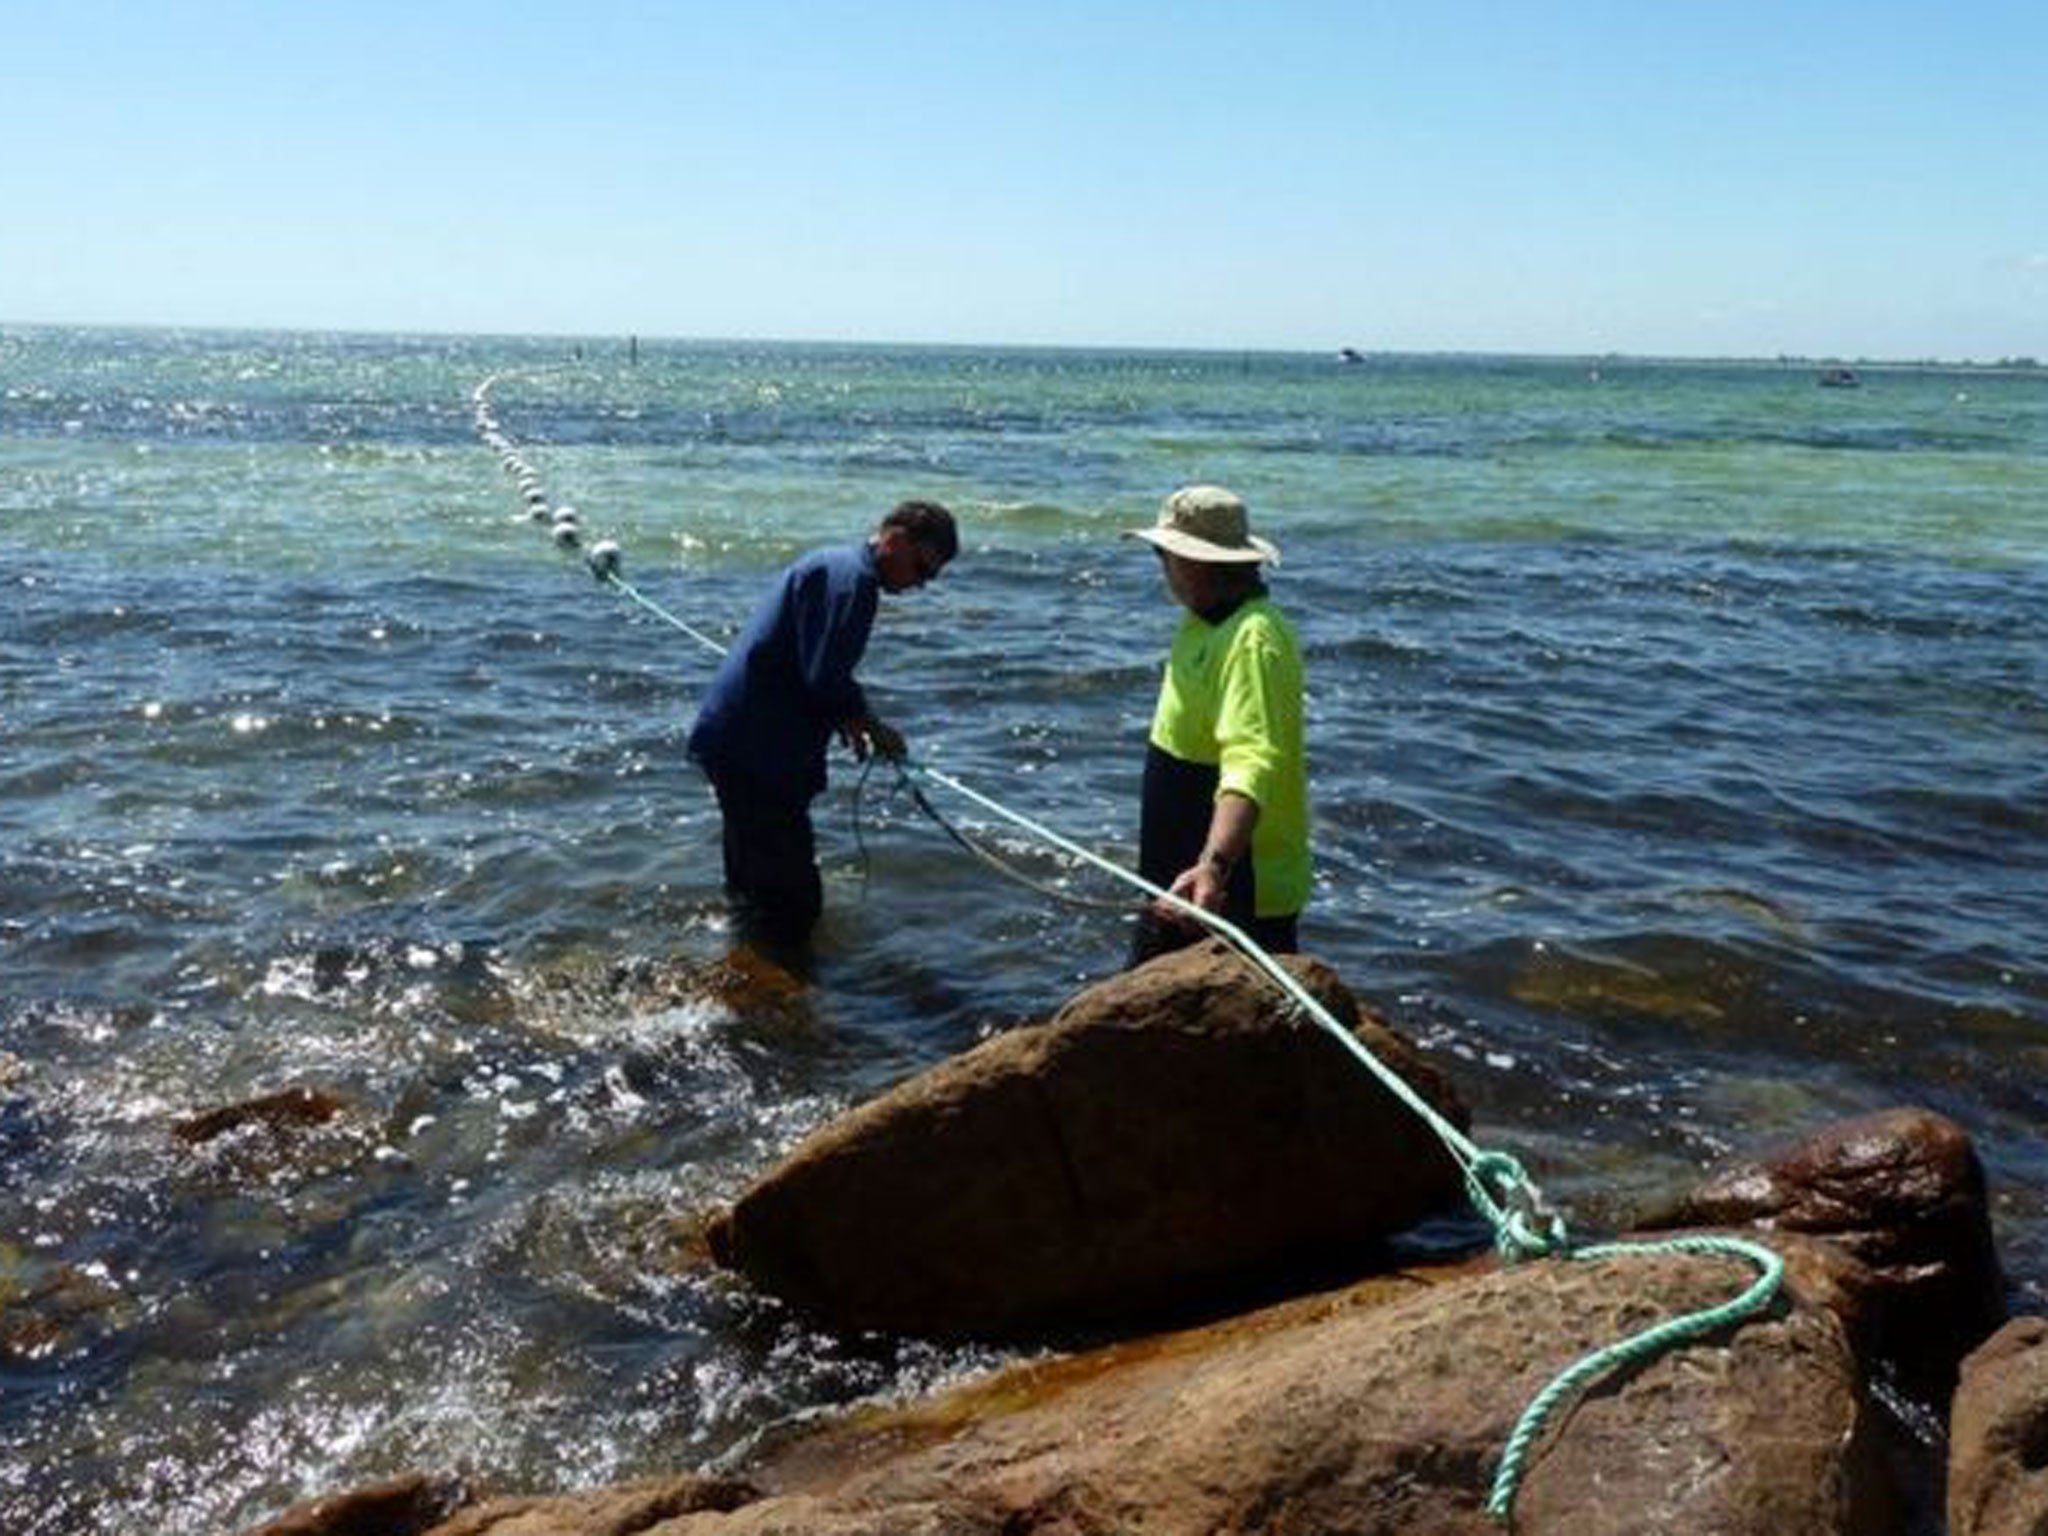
x=771, y=864
x=1173, y=824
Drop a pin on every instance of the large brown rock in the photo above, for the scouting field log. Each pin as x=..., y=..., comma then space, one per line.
x=1341, y=1416
x=1998, y=1436
x=1381, y=1410
x=1168, y=1136
x=1902, y=1192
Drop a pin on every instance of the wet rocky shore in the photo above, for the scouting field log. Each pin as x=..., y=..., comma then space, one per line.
x=1184, y=1203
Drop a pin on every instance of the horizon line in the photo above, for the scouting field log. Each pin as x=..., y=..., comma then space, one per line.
x=2013, y=363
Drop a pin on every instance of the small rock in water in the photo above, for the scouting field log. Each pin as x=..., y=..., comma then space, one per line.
x=276, y=1112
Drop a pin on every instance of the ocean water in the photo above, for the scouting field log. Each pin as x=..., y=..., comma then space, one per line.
x=1679, y=740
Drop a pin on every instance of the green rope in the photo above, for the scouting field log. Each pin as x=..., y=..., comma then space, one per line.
x=1641, y=1346
x=1468, y=1156
x=1523, y=1224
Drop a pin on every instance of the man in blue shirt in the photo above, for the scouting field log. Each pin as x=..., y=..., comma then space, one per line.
x=783, y=691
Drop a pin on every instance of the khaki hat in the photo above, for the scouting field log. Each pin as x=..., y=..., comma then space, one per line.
x=1208, y=523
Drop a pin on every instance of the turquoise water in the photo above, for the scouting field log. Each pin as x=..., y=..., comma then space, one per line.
x=1678, y=738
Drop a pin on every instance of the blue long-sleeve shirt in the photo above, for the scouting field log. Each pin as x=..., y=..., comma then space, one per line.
x=788, y=680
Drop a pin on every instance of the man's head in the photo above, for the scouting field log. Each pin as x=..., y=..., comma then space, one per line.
x=1205, y=543
x=913, y=544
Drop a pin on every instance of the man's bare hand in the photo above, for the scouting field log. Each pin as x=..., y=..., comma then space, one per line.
x=865, y=735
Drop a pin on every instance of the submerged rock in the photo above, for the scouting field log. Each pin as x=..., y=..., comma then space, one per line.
x=55, y=1312
x=1171, y=1136
x=297, y=1133
x=273, y=1114
x=588, y=996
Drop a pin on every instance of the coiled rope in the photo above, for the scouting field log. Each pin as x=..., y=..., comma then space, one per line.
x=1523, y=1224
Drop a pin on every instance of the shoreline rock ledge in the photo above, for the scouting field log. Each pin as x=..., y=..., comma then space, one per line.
x=1171, y=1139
x=1381, y=1408
x=1181, y=1114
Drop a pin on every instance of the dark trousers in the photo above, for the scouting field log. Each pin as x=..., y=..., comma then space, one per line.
x=771, y=864
x=1173, y=824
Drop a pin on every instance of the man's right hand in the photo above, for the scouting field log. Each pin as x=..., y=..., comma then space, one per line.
x=865, y=734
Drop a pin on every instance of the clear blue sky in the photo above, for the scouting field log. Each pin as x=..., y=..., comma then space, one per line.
x=1647, y=176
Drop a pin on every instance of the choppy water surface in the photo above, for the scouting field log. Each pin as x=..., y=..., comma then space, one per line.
x=1680, y=746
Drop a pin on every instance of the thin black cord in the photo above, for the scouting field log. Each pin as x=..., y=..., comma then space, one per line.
x=995, y=860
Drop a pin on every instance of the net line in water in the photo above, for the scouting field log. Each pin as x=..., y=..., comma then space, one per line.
x=1524, y=1224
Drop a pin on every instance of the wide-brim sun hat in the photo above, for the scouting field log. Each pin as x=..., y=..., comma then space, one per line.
x=1207, y=523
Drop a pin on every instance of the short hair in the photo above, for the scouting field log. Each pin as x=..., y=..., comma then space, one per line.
x=930, y=524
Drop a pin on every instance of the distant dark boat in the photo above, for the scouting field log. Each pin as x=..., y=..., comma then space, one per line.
x=1840, y=378
x=1350, y=355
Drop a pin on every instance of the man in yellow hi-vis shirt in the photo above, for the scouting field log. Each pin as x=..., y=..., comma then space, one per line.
x=1224, y=823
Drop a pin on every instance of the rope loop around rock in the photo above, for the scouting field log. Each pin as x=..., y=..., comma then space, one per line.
x=1525, y=1225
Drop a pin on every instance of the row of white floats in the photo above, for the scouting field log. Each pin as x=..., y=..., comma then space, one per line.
x=562, y=522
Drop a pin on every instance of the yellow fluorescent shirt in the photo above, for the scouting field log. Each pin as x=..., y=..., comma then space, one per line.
x=1231, y=697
